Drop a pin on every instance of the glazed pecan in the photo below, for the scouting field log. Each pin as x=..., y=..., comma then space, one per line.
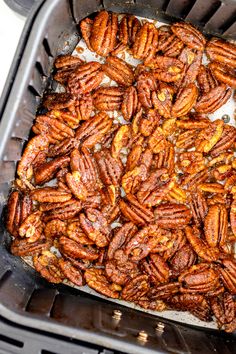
x=77, y=250
x=97, y=280
x=185, y=101
x=62, y=211
x=165, y=158
x=55, y=228
x=164, y=291
x=212, y=100
x=225, y=142
x=162, y=99
x=71, y=272
x=228, y=274
x=32, y=227
x=110, y=169
x=172, y=215
x=13, y=213
x=55, y=129
x=120, y=140
x=134, y=211
x=76, y=186
x=129, y=103
x=146, y=41
x=157, y=141
x=156, y=268
x=120, y=272
x=224, y=310
x=206, y=81
x=119, y=71
x=166, y=69
x=47, y=170
x=128, y=28
x=189, y=35
x=192, y=61
x=216, y=225
x=22, y=247
x=178, y=240
x=65, y=65
x=75, y=233
x=150, y=120
x=50, y=195
x=86, y=28
x=210, y=136
x=222, y=52
x=223, y=74
x=47, y=265
x=108, y=98
x=198, y=207
x=183, y=259
x=120, y=238
x=146, y=84
x=58, y=100
x=191, y=162
x=233, y=217
x=136, y=288
x=168, y=43
x=103, y=33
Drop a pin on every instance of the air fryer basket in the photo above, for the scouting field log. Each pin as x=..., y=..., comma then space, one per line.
x=26, y=298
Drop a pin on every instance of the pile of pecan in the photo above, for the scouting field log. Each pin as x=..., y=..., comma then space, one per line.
x=145, y=210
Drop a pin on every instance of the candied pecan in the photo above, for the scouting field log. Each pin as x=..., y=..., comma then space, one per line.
x=166, y=69
x=128, y=28
x=192, y=61
x=75, y=233
x=164, y=291
x=191, y=162
x=95, y=226
x=86, y=28
x=157, y=141
x=216, y=225
x=132, y=180
x=185, y=101
x=168, y=43
x=223, y=74
x=201, y=247
x=198, y=207
x=110, y=169
x=62, y=211
x=146, y=84
x=66, y=60
x=26, y=207
x=63, y=148
x=224, y=310
x=93, y=130
x=184, y=258
x=222, y=52
x=157, y=269
x=206, y=81
x=149, y=304
x=228, y=274
x=150, y=120
x=50, y=195
x=96, y=279
x=55, y=228
x=47, y=170
x=13, y=213
x=77, y=250
x=134, y=211
x=103, y=33
x=119, y=71
x=120, y=140
x=194, y=303
x=120, y=273
x=176, y=194
x=233, y=217
x=108, y=98
x=55, y=129
x=123, y=235
x=47, y=265
x=162, y=99
x=210, y=136
x=191, y=181
x=71, y=272
x=85, y=78
x=178, y=240
x=65, y=64
x=230, y=184
x=22, y=247
x=189, y=35
x=211, y=187
x=172, y=215
x=76, y=186
x=146, y=41
x=129, y=103
x=32, y=227
x=225, y=142
x=58, y=100
x=165, y=158
x=187, y=139
x=136, y=288
x=213, y=99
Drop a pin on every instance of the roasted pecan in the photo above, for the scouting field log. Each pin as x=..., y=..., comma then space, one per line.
x=230, y=184
x=129, y=103
x=103, y=33
x=178, y=240
x=120, y=272
x=50, y=195
x=150, y=120
x=77, y=250
x=129, y=26
x=187, y=139
x=22, y=247
x=172, y=215
x=198, y=207
x=134, y=211
x=86, y=78
x=183, y=259
x=166, y=69
x=164, y=291
x=120, y=140
x=75, y=233
x=191, y=162
x=146, y=41
x=110, y=169
x=32, y=227
x=119, y=71
x=223, y=74
x=191, y=181
x=228, y=274
x=47, y=170
x=212, y=100
x=93, y=130
x=58, y=100
x=76, y=185
x=189, y=35
x=210, y=136
x=162, y=99
x=65, y=65
x=233, y=217
x=157, y=141
x=136, y=288
x=185, y=101
x=192, y=61
x=62, y=211
x=206, y=81
x=168, y=43
x=216, y=225
x=63, y=148
x=157, y=269
x=165, y=158
x=13, y=213
x=108, y=98
x=55, y=228
x=146, y=84
x=225, y=142
x=71, y=272
x=96, y=279
x=123, y=235
x=224, y=310
x=53, y=128
x=222, y=52
x=47, y=265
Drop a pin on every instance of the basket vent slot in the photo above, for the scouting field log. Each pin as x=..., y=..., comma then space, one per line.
x=47, y=47
x=47, y=352
x=202, y=11
x=5, y=276
x=179, y=8
x=11, y=341
x=41, y=301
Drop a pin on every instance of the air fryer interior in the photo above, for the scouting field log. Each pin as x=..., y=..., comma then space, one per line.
x=26, y=298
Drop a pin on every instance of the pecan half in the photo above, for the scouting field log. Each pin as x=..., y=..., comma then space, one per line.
x=32, y=227
x=233, y=217
x=62, y=211
x=146, y=83
x=185, y=101
x=76, y=186
x=206, y=81
x=71, y=272
x=166, y=69
x=183, y=259
x=120, y=140
x=76, y=250
x=136, y=288
x=13, y=213
x=223, y=74
x=146, y=40
x=216, y=225
x=198, y=207
x=119, y=71
x=108, y=98
x=172, y=215
x=189, y=35
x=162, y=99
x=156, y=268
x=224, y=310
x=22, y=247
x=222, y=52
x=164, y=291
x=55, y=228
x=50, y=195
x=47, y=265
x=128, y=29
x=225, y=142
x=134, y=211
x=110, y=169
x=129, y=103
x=96, y=279
x=228, y=274
x=47, y=170
x=86, y=29
x=213, y=99
x=58, y=100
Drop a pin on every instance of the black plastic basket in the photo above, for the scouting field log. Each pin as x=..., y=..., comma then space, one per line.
x=27, y=299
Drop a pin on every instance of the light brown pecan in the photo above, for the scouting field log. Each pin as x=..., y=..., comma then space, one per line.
x=47, y=170
x=210, y=136
x=225, y=142
x=76, y=186
x=96, y=279
x=223, y=74
x=71, y=272
x=50, y=195
x=189, y=35
x=206, y=81
x=55, y=228
x=86, y=28
x=65, y=65
x=129, y=26
x=47, y=265
x=228, y=274
x=183, y=259
x=222, y=52
x=212, y=100
x=93, y=130
x=119, y=71
x=216, y=226
x=165, y=158
x=192, y=61
x=157, y=141
x=108, y=98
x=187, y=139
x=146, y=41
x=146, y=83
x=120, y=140
x=150, y=120
x=172, y=215
x=86, y=78
x=66, y=60
x=110, y=169
x=185, y=101
x=129, y=103
x=162, y=99
x=166, y=69
x=120, y=272
x=77, y=250
x=75, y=233
x=191, y=162
x=103, y=33
x=134, y=211
x=157, y=269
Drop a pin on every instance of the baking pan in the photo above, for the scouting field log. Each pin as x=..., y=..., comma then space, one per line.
x=25, y=297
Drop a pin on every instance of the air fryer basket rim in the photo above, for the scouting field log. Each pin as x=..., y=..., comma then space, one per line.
x=23, y=76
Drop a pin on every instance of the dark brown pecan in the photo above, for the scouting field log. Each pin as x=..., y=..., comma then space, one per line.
x=226, y=141
x=185, y=101
x=233, y=217
x=146, y=40
x=198, y=207
x=162, y=99
x=119, y=71
x=50, y=195
x=194, y=303
x=164, y=291
x=93, y=130
x=58, y=100
x=225, y=312
x=95, y=226
x=136, y=288
x=216, y=226
x=26, y=207
x=63, y=148
x=123, y=235
x=222, y=52
x=157, y=269
x=55, y=228
x=13, y=213
x=110, y=169
x=206, y=81
x=134, y=211
x=168, y=43
x=166, y=69
x=228, y=274
x=47, y=265
x=189, y=35
x=184, y=258
x=223, y=74
x=96, y=279
x=108, y=98
x=65, y=65
x=172, y=215
x=62, y=211
x=22, y=247
x=103, y=33
x=86, y=78
x=71, y=272
x=47, y=170
x=178, y=240
x=129, y=103
x=146, y=83
x=192, y=61
x=120, y=272
x=129, y=26
x=77, y=250
x=212, y=100
x=66, y=60
x=200, y=246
